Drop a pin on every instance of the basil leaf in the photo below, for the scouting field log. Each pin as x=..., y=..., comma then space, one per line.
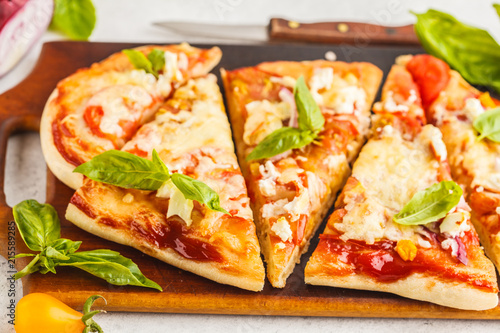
x=157, y=59
x=140, y=61
x=32, y=267
x=159, y=163
x=65, y=246
x=110, y=266
x=76, y=19
x=196, y=190
x=280, y=141
x=50, y=252
x=47, y=265
x=497, y=8
x=430, y=204
x=124, y=170
x=310, y=116
x=469, y=50
x=488, y=125
x=38, y=223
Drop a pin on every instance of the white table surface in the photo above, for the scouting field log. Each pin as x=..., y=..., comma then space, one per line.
x=131, y=21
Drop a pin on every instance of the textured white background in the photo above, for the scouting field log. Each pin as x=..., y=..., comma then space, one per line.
x=130, y=21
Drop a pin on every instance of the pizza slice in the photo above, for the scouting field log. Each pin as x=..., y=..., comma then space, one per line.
x=468, y=120
x=292, y=191
x=400, y=224
x=101, y=107
x=191, y=135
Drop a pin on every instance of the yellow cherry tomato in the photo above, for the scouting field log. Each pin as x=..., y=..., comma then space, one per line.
x=43, y=313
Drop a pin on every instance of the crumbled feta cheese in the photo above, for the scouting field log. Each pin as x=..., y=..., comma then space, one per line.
x=178, y=204
x=455, y=224
x=335, y=162
x=479, y=189
x=497, y=210
x=348, y=100
x=274, y=208
x=322, y=79
x=279, y=246
x=267, y=187
x=286, y=81
x=391, y=106
x=423, y=243
x=301, y=158
x=128, y=198
x=171, y=69
x=264, y=118
x=281, y=228
x=268, y=170
x=413, y=97
x=388, y=130
x=434, y=136
x=473, y=108
x=298, y=206
x=450, y=243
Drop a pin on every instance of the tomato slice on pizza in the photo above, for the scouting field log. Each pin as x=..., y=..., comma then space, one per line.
x=101, y=107
x=400, y=224
x=192, y=136
x=292, y=191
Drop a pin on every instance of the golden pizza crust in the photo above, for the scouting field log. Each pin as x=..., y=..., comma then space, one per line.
x=250, y=278
x=416, y=286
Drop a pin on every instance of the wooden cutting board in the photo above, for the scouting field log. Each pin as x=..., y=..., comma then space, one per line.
x=20, y=110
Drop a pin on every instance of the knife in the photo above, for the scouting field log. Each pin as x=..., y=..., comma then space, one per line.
x=286, y=30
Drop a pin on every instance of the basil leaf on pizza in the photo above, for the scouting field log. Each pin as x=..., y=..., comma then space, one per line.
x=310, y=120
x=310, y=116
x=40, y=227
x=130, y=171
x=125, y=170
x=110, y=266
x=151, y=64
x=38, y=224
x=430, y=204
x=488, y=125
x=195, y=190
x=280, y=141
x=497, y=8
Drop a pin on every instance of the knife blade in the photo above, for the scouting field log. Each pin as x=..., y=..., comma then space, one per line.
x=354, y=33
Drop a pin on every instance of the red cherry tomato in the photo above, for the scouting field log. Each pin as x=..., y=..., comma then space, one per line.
x=430, y=74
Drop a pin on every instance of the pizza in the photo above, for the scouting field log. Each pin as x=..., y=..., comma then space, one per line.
x=192, y=136
x=101, y=107
x=453, y=106
x=368, y=245
x=292, y=191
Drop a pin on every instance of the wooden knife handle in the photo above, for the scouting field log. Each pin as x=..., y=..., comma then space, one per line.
x=342, y=33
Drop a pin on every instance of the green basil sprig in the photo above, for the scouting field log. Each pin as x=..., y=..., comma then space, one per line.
x=152, y=64
x=76, y=19
x=40, y=228
x=488, y=125
x=497, y=8
x=127, y=170
x=430, y=204
x=469, y=50
x=310, y=120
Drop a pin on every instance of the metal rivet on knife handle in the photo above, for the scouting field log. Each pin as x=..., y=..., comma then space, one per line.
x=293, y=24
x=342, y=27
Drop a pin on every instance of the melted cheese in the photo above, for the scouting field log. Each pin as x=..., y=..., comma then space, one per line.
x=322, y=79
x=393, y=170
x=178, y=204
x=473, y=108
x=281, y=228
x=455, y=224
x=348, y=100
x=120, y=103
x=264, y=118
x=171, y=70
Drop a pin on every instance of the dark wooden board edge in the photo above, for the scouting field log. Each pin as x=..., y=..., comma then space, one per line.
x=19, y=113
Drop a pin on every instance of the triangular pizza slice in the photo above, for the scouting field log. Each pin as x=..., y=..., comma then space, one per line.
x=292, y=191
x=192, y=136
x=469, y=122
x=401, y=224
x=101, y=107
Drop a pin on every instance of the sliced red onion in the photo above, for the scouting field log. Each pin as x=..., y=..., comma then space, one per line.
x=287, y=97
x=462, y=204
x=461, y=253
x=22, y=23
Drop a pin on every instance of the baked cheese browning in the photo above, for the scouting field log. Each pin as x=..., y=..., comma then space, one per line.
x=475, y=164
x=101, y=107
x=291, y=192
x=192, y=136
x=363, y=248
